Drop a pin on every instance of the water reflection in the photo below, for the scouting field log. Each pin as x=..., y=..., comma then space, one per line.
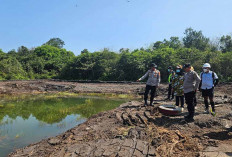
x=27, y=120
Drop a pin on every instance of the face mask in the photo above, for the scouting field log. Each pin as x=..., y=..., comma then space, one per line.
x=169, y=70
x=205, y=70
x=178, y=70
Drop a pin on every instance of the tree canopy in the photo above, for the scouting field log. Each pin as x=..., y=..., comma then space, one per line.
x=51, y=60
x=55, y=42
x=195, y=39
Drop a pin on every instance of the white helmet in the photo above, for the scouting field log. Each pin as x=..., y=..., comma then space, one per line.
x=206, y=65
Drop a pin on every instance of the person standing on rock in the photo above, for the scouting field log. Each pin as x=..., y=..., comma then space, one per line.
x=170, y=78
x=209, y=80
x=152, y=83
x=191, y=84
x=177, y=84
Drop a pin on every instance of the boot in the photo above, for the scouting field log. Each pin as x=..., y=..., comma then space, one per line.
x=145, y=103
x=213, y=109
x=206, y=106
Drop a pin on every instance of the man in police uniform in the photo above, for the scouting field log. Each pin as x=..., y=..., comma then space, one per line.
x=191, y=83
x=209, y=80
x=152, y=83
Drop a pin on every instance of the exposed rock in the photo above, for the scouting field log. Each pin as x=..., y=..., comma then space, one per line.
x=54, y=141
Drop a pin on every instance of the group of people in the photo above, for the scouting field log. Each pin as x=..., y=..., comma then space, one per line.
x=183, y=84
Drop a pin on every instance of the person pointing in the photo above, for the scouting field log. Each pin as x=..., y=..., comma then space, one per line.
x=152, y=83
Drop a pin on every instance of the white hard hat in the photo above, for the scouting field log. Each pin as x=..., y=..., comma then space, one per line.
x=206, y=65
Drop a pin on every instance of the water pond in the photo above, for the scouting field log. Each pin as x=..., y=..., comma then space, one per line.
x=28, y=119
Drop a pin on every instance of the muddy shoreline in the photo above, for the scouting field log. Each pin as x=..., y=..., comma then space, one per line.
x=44, y=86
x=131, y=129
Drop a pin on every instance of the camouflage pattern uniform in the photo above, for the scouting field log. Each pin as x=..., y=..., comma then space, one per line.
x=177, y=85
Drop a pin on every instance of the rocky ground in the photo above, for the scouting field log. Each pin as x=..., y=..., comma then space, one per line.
x=135, y=130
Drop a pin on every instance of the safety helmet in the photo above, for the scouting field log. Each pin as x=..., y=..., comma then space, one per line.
x=206, y=65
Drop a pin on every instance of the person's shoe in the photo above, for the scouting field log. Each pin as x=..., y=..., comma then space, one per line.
x=213, y=113
x=196, y=107
x=206, y=111
x=182, y=109
x=145, y=104
x=189, y=120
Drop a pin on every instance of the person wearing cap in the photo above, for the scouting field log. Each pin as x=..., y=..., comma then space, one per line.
x=177, y=85
x=170, y=78
x=152, y=83
x=191, y=84
x=209, y=80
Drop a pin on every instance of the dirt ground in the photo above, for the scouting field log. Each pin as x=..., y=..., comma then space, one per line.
x=132, y=129
x=43, y=86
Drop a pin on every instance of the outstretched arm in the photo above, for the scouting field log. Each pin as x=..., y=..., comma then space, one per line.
x=143, y=77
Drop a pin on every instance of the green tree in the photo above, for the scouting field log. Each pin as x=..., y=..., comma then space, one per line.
x=174, y=42
x=12, y=53
x=55, y=42
x=23, y=51
x=105, y=67
x=84, y=51
x=195, y=39
x=226, y=43
x=53, y=59
x=11, y=69
x=158, y=45
x=2, y=54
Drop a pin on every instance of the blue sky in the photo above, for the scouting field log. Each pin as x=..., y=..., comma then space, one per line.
x=113, y=24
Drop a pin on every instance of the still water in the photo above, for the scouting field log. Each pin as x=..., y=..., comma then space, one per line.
x=28, y=119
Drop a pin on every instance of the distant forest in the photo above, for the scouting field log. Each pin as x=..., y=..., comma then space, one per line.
x=51, y=60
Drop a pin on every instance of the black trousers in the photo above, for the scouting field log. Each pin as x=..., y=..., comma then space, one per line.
x=170, y=91
x=180, y=99
x=152, y=93
x=195, y=99
x=189, y=98
x=208, y=93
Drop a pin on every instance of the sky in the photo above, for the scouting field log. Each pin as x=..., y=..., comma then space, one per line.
x=113, y=24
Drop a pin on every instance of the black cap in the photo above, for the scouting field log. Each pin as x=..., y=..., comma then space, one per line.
x=187, y=65
x=153, y=65
x=170, y=67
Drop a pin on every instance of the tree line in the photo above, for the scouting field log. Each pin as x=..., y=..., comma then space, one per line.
x=51, y=60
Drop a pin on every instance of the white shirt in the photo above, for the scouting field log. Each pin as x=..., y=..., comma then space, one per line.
x=207, y=80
